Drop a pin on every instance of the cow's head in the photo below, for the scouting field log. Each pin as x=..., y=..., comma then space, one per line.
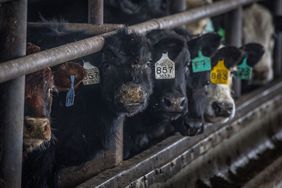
x=168, y=100
x=197, y=84
x=38, y=99
x=258, y=27
x=221, y=106
x=126, y=81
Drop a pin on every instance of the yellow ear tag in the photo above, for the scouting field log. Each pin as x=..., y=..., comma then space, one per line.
x=220, y=74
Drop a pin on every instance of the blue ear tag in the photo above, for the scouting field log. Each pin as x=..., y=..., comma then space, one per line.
x=201, y=63
x=70, y=94
x=244, y=71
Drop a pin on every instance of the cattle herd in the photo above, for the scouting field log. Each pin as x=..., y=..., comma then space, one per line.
x=153, y=84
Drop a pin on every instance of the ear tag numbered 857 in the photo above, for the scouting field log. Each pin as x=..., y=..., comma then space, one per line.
x=201, y=63
x=165, y=68
x=70, y=94
x=244, y=71
x=92, y=74
x=220, y=74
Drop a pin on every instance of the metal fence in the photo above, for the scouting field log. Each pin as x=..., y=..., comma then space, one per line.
x=14, y=67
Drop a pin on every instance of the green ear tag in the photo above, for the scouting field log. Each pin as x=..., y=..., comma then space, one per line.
x=209, y=27
x=244, y=71
x=201, y=63
x=221, y=33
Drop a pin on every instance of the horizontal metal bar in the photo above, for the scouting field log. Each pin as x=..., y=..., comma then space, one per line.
x=18, y=67
x=92, y=29
x=190, y=16
x=31, y=63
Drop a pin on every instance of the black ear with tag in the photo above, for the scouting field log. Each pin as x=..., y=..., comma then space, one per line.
x=230, y=54
x=165, y=41
x=207, y=43
x=254, y=52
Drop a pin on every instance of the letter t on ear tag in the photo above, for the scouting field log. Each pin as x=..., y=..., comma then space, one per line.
x=70, y=94
x=201, y=63
x=244, y=71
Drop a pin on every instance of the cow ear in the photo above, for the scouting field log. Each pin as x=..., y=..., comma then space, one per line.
x=63, y=72
x=254, y=52
x=207, y=43
x=32, y=48
x=230, y=54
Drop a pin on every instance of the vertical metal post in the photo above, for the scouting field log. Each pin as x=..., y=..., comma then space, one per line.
x=277, y=66
x=115, y=155
x=176, y=6
x=96, y=11
x=233, y=30
x=12, y=44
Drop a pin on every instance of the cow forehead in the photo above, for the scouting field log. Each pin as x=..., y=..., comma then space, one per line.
x=219, y=91
x=40, y=78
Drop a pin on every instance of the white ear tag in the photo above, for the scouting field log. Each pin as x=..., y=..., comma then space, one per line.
x=92, y=74
x=165, y=68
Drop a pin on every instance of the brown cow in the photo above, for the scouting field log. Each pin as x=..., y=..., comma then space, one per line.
x=38, y=98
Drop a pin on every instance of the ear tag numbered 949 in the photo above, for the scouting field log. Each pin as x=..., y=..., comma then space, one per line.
x=201, y=63
x=220, y=74
x=70, y=94
x=244, y=71
x=165, y=68
x=92, y=74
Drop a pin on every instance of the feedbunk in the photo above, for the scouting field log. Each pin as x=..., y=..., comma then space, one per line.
x=162, y=161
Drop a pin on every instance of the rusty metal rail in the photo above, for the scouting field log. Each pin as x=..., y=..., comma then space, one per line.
x=19, y=67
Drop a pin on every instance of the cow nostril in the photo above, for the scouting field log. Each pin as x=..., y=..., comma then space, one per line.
x=229, y=108
x=167, y=102
x=182, y=103
x=216, y=106
x=46, y=128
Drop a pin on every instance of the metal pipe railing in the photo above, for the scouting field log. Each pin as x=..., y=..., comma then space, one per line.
x=12, y=45
x=18, y=67
x=233, y=28
x=176, y=6
x=96, y=11
x=277, y=66
x=91, y=29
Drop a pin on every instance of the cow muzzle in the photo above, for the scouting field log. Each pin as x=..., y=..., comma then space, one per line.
x=37, y=128
x=132, y=96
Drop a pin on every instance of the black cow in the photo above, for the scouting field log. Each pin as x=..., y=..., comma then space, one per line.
x=88, y=127
x=168, y=100
x=193, y=121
